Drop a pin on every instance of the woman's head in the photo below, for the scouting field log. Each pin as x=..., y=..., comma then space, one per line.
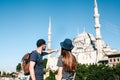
x=68, y=60
x=67, y=44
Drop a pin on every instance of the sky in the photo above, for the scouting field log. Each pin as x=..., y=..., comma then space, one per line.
x=23, y=22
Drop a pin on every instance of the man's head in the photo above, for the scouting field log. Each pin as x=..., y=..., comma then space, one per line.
x=41, y=43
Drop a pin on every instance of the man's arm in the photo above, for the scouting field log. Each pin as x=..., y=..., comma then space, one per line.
x=32, y=72
x=51, y=51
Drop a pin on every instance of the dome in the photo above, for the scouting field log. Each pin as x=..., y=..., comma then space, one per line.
x=84, y=38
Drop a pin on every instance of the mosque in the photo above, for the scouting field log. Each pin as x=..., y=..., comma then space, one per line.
x=88, y=49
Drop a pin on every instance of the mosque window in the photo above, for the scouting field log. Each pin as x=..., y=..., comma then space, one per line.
x=118, y=59
x=114, y=60
x=110, y=60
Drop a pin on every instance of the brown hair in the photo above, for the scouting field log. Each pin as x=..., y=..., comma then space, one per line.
x=68, y=60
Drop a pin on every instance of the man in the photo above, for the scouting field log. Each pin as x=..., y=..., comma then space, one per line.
x=36, y=67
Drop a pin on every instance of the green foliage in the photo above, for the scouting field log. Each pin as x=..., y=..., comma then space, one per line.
x=18, y=67
x=81, y=72
x=93, y=72
x=51, y=76
x=97, y=72
x=116, y=70
x=4, y=73
x=44, y=62
x=0, y=73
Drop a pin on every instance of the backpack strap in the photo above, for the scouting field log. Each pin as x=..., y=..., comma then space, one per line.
x=38, y=56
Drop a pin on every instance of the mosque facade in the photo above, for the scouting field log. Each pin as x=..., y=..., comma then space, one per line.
x=88, y=49
x=91, y=49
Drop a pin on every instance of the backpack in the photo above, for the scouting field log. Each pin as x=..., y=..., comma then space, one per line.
x=25, y=63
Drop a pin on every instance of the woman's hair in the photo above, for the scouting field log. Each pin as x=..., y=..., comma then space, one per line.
x=68, y=60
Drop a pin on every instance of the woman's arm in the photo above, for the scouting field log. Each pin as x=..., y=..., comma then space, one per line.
x=59, y=74
x=74, y=75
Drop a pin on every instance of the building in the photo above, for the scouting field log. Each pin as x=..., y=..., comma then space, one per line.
x=89, y=49
x=92, y=50
x=84, y=50
x=52, y=61
x=113, y=59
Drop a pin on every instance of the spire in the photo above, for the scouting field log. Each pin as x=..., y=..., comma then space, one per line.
x=97, y=24
x=98, y=32
x=95, y=3
x=96, y=14
x=49, y=34
x=49, y=42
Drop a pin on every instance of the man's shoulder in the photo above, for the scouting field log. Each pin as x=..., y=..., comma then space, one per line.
x=33, y=54
x=34, y=51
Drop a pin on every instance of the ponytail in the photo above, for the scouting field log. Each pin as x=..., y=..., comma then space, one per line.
x=68, y=60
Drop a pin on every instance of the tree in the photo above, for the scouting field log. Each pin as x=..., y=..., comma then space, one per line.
x=0, y=73
x=4, y=73
x=18, y=67
x=51, y=76
x=81, y=72
x=44, y=62
x=116, y=70
x=7, y=74
x=95, y=72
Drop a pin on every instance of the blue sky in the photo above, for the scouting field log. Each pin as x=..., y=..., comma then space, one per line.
x=23, y=22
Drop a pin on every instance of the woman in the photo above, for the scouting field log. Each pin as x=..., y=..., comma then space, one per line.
x=66, y=62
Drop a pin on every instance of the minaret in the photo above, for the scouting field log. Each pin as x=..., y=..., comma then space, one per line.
x=98, y=34
x=49, y=36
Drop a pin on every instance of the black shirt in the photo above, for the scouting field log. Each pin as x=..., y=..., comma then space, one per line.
x=37, y=58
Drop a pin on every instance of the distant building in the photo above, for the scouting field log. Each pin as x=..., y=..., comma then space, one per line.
x=88, y=49
x=113, y=59
x=83, y=48
x=93, y=50
x=52, y=61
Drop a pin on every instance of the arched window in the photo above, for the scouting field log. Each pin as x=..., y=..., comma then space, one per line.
x=110, y=60
x=114, y=60
x=118, y=59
